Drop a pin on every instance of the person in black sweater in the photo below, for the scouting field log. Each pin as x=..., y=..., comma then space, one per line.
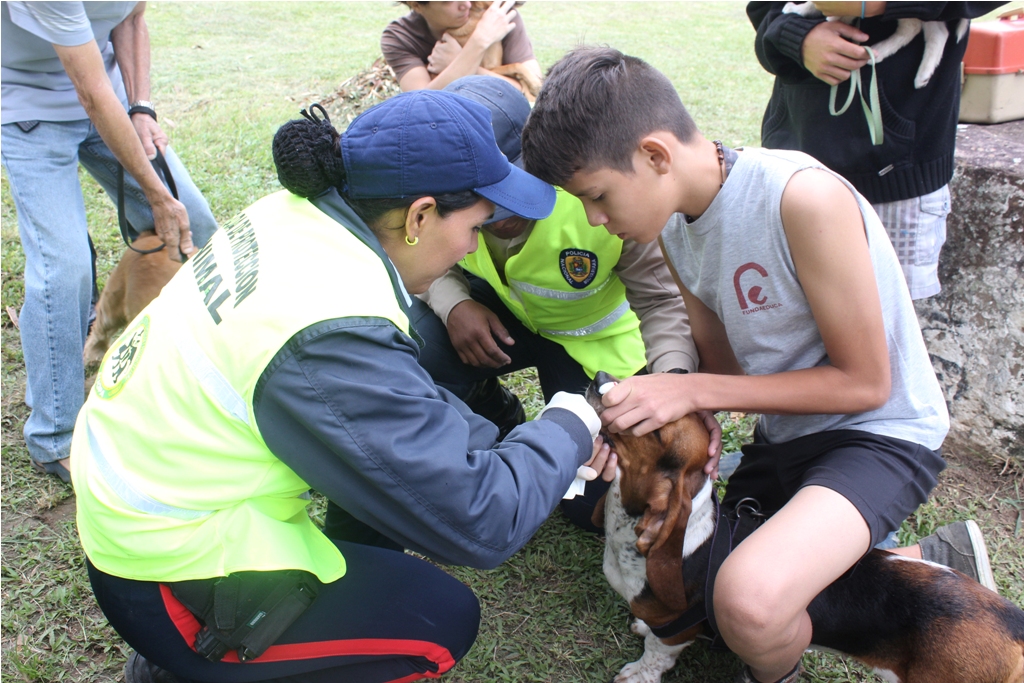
x=906, y=176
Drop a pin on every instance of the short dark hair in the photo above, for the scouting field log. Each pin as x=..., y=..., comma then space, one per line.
x=595, y=106
x=309, y=163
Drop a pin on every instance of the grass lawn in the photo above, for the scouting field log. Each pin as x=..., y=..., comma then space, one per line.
x=225, y=76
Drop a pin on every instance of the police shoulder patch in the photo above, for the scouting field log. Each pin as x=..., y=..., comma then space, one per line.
x=122, y=359
x=579, y=267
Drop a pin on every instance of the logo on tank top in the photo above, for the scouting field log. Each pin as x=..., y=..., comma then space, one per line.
x=579, y=267
x=754, y=299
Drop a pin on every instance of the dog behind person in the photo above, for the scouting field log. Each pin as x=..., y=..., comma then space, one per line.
x=133, y=283
x=911, y=621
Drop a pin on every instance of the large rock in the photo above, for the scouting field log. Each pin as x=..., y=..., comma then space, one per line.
x=974, y=328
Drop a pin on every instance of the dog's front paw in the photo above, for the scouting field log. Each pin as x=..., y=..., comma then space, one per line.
x=658, y=658
x=640, y=627
x=637, y=672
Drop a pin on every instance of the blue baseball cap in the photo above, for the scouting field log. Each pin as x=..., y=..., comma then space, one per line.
x=427, y=142
x=509, y=111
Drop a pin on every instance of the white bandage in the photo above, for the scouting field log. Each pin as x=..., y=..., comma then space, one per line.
x=578, y=406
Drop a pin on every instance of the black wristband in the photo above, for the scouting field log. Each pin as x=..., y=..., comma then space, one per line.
x=139, y=109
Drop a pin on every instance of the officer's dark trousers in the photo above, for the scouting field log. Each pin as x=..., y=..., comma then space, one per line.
x=392, y=617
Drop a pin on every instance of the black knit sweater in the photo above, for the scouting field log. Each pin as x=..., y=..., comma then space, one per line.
x=916, y=156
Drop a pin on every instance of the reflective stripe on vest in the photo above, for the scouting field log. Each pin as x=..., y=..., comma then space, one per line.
x=128, y=493
x=167, y=456
x=595, y=327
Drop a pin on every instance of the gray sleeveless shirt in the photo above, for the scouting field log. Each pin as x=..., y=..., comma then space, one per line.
x=735, y=258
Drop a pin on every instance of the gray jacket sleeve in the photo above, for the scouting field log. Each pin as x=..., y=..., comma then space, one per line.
x=346, y=405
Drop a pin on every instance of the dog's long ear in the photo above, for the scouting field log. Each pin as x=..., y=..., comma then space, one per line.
x=660, y=536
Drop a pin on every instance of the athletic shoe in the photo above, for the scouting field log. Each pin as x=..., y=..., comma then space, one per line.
x=960, y=546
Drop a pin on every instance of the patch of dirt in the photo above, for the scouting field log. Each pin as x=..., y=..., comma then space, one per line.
x=49, y=515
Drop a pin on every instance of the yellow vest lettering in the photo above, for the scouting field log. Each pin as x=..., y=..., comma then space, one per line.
x=210, y=498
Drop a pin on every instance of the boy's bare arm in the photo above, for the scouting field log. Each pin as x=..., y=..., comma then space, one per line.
x=829, y=246
x=827, y=240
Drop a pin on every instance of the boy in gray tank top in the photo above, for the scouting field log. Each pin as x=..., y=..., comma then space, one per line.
x=799, y=312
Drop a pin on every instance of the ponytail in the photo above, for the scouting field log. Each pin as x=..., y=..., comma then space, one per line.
x=309, y=162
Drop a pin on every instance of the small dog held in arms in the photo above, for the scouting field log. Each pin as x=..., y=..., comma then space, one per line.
x=935, y=35
x=134, y=282
x=493, y=58
x=911, y=621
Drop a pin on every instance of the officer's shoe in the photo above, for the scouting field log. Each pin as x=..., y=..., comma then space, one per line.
x=138, y=670
x=490, y=399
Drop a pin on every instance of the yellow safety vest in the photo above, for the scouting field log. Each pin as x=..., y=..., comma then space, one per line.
x=561, y=286
x=173, y=479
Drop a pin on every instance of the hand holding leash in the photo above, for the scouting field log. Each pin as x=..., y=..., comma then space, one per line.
x=170, y=218
x=151, y=134
x=830, y=51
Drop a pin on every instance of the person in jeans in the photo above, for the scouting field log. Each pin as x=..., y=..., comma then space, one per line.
x=76, y=91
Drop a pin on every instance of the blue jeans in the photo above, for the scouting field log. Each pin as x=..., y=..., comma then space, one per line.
x=42, y=167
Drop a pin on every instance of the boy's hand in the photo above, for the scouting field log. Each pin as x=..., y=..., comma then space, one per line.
x=495, y=23
x=829, y=54
x=642, y=404
x=473, y=328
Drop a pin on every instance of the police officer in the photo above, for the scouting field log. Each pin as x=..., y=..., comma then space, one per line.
x=282, y=358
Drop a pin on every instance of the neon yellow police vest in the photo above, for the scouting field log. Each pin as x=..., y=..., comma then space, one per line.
x=561, y=286
x=174, y=480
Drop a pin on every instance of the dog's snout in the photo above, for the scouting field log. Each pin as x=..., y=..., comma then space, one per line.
x=593, y=395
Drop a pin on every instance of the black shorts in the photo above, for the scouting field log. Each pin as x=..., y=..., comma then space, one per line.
x=885, y=478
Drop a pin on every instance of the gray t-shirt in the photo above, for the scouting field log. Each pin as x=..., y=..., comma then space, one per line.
x=33, y=83
x=736, y=259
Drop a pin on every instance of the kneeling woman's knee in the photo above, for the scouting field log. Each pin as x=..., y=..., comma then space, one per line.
x=462, y=615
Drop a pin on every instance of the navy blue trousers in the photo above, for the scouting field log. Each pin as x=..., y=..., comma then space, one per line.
x=392, y=617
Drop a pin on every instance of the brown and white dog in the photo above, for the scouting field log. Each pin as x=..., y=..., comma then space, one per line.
x=911, y=621
x=493, y=57
x=134, y=282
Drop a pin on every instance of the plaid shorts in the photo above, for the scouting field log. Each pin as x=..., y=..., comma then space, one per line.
x=917, y=228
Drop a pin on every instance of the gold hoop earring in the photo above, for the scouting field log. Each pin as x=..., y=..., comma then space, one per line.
x=412, y=242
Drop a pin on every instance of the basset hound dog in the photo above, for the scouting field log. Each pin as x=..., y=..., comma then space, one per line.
x=911, y=621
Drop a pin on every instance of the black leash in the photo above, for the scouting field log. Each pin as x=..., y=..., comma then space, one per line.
x=160, y=164
x=727, y=535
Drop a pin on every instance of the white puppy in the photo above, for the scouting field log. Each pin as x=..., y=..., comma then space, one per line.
x=935, y=36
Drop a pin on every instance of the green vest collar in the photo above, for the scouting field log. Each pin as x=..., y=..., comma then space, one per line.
x=332, y=204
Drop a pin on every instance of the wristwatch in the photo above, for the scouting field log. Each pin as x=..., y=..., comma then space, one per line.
x=142, y=107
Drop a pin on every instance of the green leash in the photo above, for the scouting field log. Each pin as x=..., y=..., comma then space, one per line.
x=873, y=111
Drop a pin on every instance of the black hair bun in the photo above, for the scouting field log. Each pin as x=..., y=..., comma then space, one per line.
x=307, y=155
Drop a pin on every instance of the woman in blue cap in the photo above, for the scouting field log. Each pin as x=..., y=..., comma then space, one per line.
x=282, y=359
